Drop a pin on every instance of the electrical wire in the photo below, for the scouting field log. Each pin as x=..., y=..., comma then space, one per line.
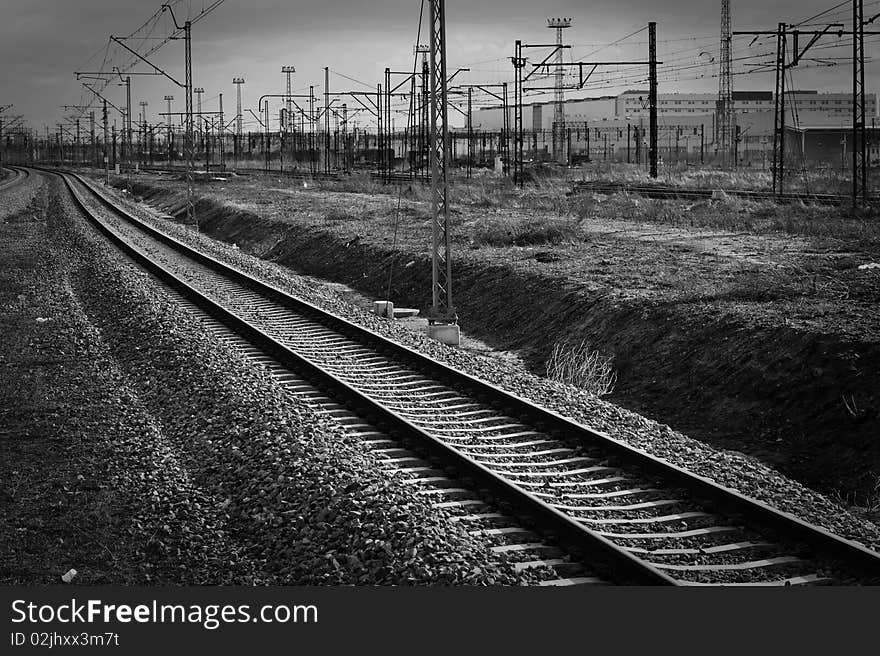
x=400, y=185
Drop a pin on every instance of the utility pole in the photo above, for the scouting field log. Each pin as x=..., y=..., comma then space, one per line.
x=288, y=70
x=313, y=166
x=424, y=146
x=222, y=135
x=345, y=166
x=778, y=168
x=860, y=142
x=725, y=92
x=168, y=99
x=143, y=104
x=126, y=128
x=92, y=134
x=628, y=139
x=236, y=145
x=106, y=141
x=470, y=131
x=387, y=150
x=519, y=63
x=702, y=141
x=266, y=149
x=442, y=319
x=199, y=91
x=652, y=95
x=327, y=120
x=289, y=123
x=559, y=154
x=782, y=65
x=189, y=138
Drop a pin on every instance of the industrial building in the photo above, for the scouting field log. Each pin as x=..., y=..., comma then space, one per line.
x=615, y=127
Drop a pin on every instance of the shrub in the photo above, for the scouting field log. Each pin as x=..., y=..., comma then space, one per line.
x=577, y=364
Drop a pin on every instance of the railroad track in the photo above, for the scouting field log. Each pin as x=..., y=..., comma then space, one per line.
x=19, y=175
x=299, y=174
x=669, y=192
x=564, y=488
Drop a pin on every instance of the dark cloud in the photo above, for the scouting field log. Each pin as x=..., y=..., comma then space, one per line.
x=43, y=41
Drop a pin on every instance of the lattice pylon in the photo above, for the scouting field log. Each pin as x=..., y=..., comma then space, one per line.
x=725, y=91
x=559, y=154
x=442, y=310
x=860, y=142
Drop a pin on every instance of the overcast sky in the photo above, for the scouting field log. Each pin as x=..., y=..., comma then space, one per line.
x=42, y=43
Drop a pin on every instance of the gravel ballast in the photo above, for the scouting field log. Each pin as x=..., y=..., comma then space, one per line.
x=732, y=469
x=268, y=491
x=87, y=482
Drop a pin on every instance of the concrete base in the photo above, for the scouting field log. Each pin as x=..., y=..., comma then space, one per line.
x=445, y=333
x=402, y=313
x=383, y=309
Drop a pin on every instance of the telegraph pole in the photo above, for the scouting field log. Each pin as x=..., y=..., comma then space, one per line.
x=236, y=146
x=92, y=135
x=199, y=91
x=778, y=172
x=289, y=123
x=652, y=95
x=168, y=99
x=313, y=167
x=327, y=120
x=442, y=319
x=106, y=141
x=725, y=92
x=288, y=70
x=126, y=128
x=519, y=63
x=470, y=131
x=143, y=104
x=860, y=142
x=423, y=110
x=189, y=138
x=222, y=134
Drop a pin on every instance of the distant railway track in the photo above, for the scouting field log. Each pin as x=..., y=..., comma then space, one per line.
x=671, y=192
x=298, y=174
x=18, y=176
x=646, y=520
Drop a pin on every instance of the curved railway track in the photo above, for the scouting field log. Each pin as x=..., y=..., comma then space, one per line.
x=569, y=487
x=19, y=176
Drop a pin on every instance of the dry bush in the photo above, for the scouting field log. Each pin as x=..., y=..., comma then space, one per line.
x=577, y=364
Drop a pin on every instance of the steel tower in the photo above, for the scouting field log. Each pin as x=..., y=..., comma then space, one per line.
x=725, y=92
x=288, y=121
x=238, y=81
x=559, y=153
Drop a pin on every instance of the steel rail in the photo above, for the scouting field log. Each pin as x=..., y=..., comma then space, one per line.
x=20, y=176
x=662, y=192
x=626, y=566
x=725, y=499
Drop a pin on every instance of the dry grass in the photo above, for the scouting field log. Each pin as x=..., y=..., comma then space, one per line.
x=531, y=231
x=577, y=364
x=818, y=179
